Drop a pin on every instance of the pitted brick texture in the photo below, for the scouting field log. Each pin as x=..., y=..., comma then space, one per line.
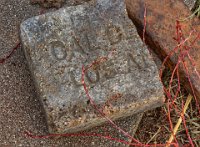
x=58, y=44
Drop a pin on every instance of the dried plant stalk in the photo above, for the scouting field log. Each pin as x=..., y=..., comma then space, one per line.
x=189, y=98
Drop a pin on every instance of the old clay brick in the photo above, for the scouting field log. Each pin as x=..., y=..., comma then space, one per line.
x=125, y=80
x=161, y=30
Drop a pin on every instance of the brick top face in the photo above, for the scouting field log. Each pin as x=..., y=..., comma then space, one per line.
x=122, y=78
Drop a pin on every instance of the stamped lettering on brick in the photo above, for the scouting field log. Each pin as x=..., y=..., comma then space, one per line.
x=58, y=50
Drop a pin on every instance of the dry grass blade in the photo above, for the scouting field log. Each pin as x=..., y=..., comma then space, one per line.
x=189, y=98
x=154, y=135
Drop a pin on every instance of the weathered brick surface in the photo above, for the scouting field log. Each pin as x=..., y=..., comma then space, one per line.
x=128, y=124
x=58, y=44
x=161, y=30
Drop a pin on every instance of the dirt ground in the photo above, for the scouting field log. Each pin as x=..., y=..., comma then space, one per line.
x=20, y=109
